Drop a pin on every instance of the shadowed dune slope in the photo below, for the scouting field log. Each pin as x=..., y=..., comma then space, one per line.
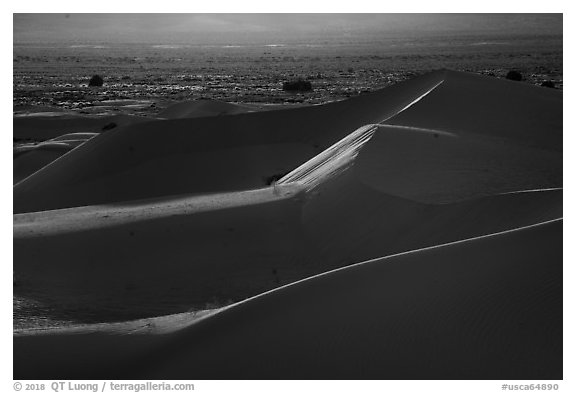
x=75, y=136
x=28, y=159
x=488, y=308
x=46, y=127
x=348, y=221
x=206, y=253
x=202, y=108
x=172, y=215
x=249, y=248
x=64, y=142
x=266, y=237
x=203, y=155
x=234, y=252
x=432, y=166
x=528, y=114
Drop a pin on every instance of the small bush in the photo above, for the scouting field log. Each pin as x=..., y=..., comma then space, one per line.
x=297, y=85
x=96, y=81
x=269, y=180
x=514, y=75
x=548, y=84
x=108, y=126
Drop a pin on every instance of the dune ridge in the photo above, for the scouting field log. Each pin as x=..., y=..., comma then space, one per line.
x=290, y=236
x=527, y=114
x=277, y=141
x=327, y=163
x=40, y=155
x=46, y=126
x=392, y=335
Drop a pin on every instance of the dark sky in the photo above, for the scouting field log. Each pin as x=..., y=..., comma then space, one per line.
x=238, y=28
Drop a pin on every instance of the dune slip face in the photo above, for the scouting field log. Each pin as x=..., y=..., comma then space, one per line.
x=215, y=227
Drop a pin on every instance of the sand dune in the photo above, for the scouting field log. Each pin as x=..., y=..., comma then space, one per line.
x=72, y=140
x=33, y=160
x=171, y=215
x=530, y=115
x=331, y=161
x=34, y=125
x=76, y=136
x=483, y=309
x=412, y=187
x=180, y=156
x=47, y=126
x=147, y=326
x=30, y=158
x=432, y=166
x=488, y=308
x=232, y=246
x=202, y=108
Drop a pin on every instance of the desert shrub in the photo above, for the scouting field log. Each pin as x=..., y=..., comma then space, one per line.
x=96, y=80
x=269, y=180
x=297, y=85
x=548, y=84
x=514, y=75
x=108, y=126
